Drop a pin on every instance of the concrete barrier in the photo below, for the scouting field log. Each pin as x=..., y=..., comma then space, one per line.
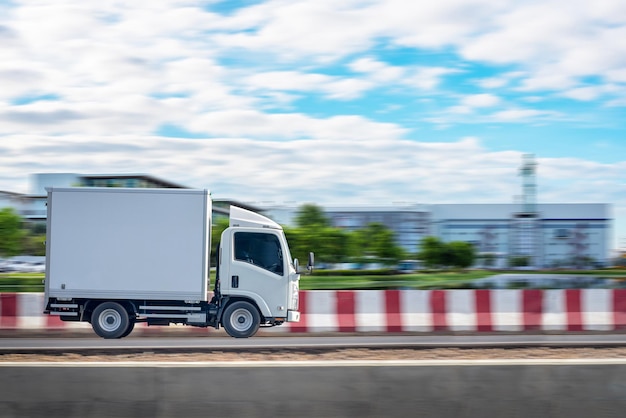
x=401, y=389
x=566, y=310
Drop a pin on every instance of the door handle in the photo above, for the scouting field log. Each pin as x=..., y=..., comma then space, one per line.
x=234, y=281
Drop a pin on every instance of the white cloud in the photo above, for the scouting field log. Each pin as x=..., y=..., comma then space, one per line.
x=460, y=110
x=539, y=37
x=377, y=70
x=121, y=70
x=332, y=87
x=380, y=171
x=469, y=104
x=428, y=78
x=111, y=53
x=480, y=100
x=493, y=82
x=255, y=124
x=322, y=29
x=550, y=80
x=583, y=93
x=478, y=108
x=262, y=170
x=557, y=46
x=432, y=24
x=589, y=93
x=519, y=115
x=621, y=102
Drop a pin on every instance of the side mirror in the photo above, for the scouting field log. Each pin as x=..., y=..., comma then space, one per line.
x=296, y=265
x=311, y=262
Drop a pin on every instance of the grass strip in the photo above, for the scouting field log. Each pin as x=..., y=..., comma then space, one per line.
x=33, y=282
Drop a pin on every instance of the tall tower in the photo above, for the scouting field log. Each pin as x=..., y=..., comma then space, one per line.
x=525, y=222
x=529, y=196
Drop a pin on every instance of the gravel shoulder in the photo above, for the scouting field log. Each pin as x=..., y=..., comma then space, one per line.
x=331, y=354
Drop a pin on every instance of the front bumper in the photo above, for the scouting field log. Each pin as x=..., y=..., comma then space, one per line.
x=293, y=316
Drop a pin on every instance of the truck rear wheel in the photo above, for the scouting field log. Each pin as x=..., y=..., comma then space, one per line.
x=110, y=320
x=129, y=329
x=241, y=319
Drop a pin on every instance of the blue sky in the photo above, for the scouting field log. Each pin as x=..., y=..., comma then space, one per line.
x=352, y=102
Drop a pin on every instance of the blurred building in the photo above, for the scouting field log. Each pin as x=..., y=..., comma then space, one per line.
x=409, y=223
x=544, y=235
x=32, y=206
x=11, y=200
x=557, y=235
x=39, y=182
x=522, y=234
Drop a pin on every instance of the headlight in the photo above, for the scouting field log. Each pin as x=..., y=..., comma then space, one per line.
x=295, y=296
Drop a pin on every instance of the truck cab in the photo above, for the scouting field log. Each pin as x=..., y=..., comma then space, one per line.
x=255, y=268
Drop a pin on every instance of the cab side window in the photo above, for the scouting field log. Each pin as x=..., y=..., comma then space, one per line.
x=262, y=250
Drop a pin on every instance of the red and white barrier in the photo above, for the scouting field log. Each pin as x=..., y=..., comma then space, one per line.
x=404, y=311
x=461, y=310
x=24, y=311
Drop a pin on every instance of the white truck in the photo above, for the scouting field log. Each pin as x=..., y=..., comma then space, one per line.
x=118, y=256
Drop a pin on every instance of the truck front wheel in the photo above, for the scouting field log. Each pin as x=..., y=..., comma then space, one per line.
x=241, y=319
x=110, y=320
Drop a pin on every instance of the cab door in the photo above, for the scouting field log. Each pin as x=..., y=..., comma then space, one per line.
x=258, y=269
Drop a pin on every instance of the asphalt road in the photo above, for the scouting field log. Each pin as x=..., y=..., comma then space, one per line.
x=524, y=387
x=313, y=389
x=348, y=341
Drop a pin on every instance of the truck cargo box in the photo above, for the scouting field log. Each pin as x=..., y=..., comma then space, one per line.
x=116, y=243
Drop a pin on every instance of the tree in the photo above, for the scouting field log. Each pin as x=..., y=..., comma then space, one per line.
x=462, y=254
x=34, y=238
x=329, y=244
x=314, y=232
x=432, y=252
x=305, y=237
x=11, y=233
x=378, y=241
x=436, y=253
x=34, y=244
x=311, y=216
x=519, y=261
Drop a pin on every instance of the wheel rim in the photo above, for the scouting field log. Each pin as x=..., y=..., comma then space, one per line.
x=241, y=320
x=110, y=320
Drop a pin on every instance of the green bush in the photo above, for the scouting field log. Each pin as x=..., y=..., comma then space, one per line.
x=22, y=282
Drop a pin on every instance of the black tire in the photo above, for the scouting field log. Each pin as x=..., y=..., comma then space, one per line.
x=129, y=329
x=110, y=320
x=241, y=319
